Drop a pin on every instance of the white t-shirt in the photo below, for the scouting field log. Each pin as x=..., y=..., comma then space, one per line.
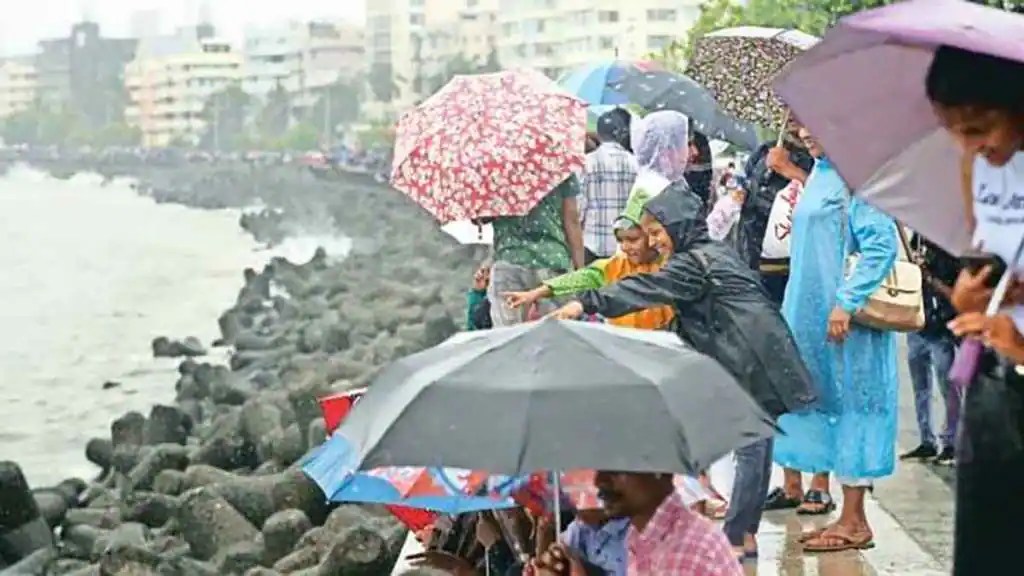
x=999, y=212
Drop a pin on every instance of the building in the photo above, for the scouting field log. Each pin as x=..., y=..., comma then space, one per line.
x=171, y=81
x=84, y=71
x=17, y=87
x=303, y=58
x=408, y=41
x=558, y=35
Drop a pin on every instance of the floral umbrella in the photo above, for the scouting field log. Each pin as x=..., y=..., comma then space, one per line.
x=489, y=145
x=738, y=65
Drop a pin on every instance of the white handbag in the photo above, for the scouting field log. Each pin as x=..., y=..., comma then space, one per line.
x=898, y=304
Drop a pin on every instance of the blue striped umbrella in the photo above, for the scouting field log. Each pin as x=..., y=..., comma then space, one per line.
x=591, y=83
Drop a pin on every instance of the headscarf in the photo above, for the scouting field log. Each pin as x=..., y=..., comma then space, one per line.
x=700, y=174
x=661, y=141
x=614, y=125
x=681, y=213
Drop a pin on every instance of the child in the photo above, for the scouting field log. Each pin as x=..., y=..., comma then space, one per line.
x=478, y=307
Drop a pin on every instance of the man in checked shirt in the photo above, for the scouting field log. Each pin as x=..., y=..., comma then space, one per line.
x=665, y=537
x=607, y=179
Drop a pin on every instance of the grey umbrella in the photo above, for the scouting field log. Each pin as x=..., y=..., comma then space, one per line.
x=554, y=395
x=661, y=90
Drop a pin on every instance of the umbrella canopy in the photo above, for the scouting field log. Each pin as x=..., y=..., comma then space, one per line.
x=579, y=490
x=882, y=135
x=592, y=83
x=738, y=64
x=671, y=91
x=489, y=145
x=554, y=395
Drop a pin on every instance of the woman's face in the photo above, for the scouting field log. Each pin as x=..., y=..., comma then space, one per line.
x=635, y=245
x=995, y=134
x=657, y=237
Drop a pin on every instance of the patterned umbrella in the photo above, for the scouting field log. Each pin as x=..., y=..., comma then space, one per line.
x=671, y=91
x=592, y=83
x=489, y=145
x=737, y=65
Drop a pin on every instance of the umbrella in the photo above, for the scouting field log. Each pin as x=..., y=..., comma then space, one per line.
x=445, y=490
x=738, y=64
x=554, y=395
x=882, y=134
x=592, y=83
x=466, y=232
x=489, y=145
x=671, y=91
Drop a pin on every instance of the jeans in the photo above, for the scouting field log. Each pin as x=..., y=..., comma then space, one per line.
x=924, y=356
x=749, y=488
x=507, y=277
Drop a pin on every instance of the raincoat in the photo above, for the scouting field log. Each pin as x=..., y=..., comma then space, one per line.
x=851, y=431
x=720, y=306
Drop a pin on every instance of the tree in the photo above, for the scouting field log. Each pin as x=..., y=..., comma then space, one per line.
x=383, y=83
x=225, y=115
x=340, y=103
x=275, y=117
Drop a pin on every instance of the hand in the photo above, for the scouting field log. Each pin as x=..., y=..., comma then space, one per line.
x=970, y=294
x=558, y=559
x=778, y=160
x=516, y=299
x=1015, y=292
x=571, y=311
x=838, y=325
x=997, y=332
x=481, y=279
x=442, y=561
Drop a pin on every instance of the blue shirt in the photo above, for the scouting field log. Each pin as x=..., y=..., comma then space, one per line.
x=604, y=546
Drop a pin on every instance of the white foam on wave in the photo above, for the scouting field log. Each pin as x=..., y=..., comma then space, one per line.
x=301, y=248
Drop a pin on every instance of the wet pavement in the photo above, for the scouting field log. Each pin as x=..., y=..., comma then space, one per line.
x=911, y=514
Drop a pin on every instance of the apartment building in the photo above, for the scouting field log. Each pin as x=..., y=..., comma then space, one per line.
x=18, y=84
x=171, y=80
x=303, y=58
x=558, y=35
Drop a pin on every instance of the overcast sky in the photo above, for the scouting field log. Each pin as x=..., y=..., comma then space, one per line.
x=21, y=27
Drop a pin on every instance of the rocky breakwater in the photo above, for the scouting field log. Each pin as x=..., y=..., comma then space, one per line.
x=210, y=484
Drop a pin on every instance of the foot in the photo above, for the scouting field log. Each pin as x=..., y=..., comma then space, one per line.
x=840, y=537
x=815, y=503
x=783, y=499
x=922, y=452
x=945, y=458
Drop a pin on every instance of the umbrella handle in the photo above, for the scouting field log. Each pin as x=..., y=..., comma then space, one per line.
x=782, y=129
x=556, y=484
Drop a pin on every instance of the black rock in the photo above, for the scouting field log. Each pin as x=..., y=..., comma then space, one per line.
x=162, y=457
x=128, y=429
x=210, y=525
x=166, y=425
x=23, y=530
x=281, y=532
x=149, y=508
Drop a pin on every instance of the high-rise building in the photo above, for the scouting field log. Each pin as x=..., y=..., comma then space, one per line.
x=557, y=35
x=17, y=87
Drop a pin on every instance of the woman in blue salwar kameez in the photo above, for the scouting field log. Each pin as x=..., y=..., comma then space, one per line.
x=851, y=431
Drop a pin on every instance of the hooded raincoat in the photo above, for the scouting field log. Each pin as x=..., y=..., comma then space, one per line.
x=720, y=306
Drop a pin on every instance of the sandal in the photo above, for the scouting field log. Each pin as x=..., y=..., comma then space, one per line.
x=821, y=500
x=812, y=534
x=778, y=500
x=841, y=541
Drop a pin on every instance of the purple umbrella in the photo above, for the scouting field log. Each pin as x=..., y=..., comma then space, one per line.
x=861, y=92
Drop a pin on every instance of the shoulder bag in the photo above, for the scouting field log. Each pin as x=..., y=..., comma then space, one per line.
x=898, y=304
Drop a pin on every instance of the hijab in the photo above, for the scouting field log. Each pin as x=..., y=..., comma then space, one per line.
x=681, y=213
x=661, y=143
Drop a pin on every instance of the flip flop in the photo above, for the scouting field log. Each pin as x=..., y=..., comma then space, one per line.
x=778, y=500
x=824, y=499
x=812, y=534
x=863, y=541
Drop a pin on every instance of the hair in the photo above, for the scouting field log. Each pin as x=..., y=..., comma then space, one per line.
x=959, y=77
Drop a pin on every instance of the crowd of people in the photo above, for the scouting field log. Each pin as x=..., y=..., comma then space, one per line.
x=754, y=269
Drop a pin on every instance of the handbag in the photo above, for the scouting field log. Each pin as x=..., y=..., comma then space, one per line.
x=898, y=303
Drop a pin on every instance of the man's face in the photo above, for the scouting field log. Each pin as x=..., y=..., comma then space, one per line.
x=811, y=143
x=626, y=494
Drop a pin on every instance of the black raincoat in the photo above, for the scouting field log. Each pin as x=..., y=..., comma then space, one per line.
x=721, y=308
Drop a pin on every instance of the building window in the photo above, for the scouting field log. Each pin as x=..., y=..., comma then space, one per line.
x=661, y=15
x=658, y=42
x=608, y=16
x=607, y=42
x=416, y=20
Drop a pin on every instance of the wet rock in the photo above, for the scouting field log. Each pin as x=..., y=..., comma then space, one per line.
x=110, y=385
x=65, y=566
x=23, y=530
x=163, y=457
x=164, y=347
x=184, y=566
x=286, y=445
x=106, y=518
x=281, y=532
x=231, y=389
x=52, y=504
x=359, y=552
x=261, y=571
x=166, y=425
x=128, y=429
x=210, y=525
x=240, y=557
x=125, y=552
x=72, y=489
x=226, y=447
x=299, y=559
x=169, y=482
x=100, y=452
x=80, y=540
x=149, y=508
x=128, y=456
x=35, y=564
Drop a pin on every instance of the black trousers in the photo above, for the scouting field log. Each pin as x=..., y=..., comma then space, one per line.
x=990, y=475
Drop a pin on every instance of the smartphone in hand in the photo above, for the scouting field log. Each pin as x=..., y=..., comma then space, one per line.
x=977, y=261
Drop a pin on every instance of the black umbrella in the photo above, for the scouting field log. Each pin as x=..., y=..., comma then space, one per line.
x=661, y=90
x=554, y=395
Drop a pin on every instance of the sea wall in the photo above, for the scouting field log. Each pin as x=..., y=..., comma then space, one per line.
x=209, y=484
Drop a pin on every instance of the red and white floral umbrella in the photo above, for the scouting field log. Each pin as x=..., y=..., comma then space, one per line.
x=489, y=145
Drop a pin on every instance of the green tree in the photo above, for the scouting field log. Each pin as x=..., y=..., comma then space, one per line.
x=340, y=103
x=275, y=117
x=225, y=115
x=42, y=126
x=383, y=83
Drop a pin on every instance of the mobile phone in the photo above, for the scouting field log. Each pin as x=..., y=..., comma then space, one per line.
x=975, y=262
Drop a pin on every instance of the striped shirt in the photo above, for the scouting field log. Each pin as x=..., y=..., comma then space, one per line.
x=607, y=180
x=678, y=542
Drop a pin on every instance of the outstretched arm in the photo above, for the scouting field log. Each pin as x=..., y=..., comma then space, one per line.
x=680, y=280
